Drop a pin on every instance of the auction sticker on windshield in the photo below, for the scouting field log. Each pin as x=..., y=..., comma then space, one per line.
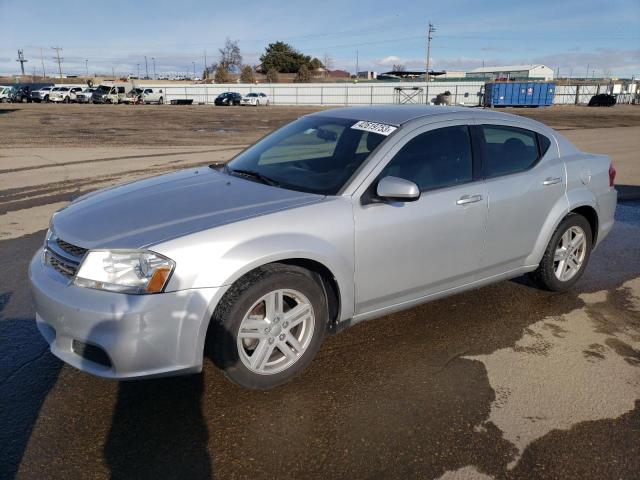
x=380, y=128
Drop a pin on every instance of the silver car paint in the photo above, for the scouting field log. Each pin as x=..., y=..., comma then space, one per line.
x=216, y=228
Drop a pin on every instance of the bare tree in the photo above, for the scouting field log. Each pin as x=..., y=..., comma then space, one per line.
x=272, y=76
x=246, y=74
x=303, y=75
x=230, y=56
x=222, y=75
x=398, y=67
x=328, y=64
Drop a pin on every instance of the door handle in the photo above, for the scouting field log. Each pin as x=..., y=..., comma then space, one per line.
x=552, y=181
x=467, y=199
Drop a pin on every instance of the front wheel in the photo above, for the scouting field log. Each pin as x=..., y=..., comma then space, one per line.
x=160, y=101
x=566, y=256
x=269, y=326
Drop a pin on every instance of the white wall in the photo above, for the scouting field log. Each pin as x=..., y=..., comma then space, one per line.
x=463, y=93
x=326, y=93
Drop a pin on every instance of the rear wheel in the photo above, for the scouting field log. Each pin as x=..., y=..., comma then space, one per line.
x=160, y=101
x=566, y=256
x=269, y=326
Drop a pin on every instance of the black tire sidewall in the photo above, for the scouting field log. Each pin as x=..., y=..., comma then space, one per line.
x=227, y=324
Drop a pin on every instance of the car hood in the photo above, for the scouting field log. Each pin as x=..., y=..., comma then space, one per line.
x=157, y=209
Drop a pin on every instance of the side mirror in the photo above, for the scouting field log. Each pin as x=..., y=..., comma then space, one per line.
x=400, y=189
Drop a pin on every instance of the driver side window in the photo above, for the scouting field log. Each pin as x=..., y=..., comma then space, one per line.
x=434, y=159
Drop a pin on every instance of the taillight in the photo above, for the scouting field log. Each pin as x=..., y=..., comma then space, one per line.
x=612, y=175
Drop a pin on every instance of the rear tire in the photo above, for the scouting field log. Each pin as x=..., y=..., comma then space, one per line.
x=243, y=326
x=160, y=101
x=566, y=256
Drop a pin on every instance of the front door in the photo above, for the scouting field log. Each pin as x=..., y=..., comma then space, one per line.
x=408, y=250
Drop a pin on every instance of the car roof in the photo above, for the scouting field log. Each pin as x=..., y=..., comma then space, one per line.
x=400, y=114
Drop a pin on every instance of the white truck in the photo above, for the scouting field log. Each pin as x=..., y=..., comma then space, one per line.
x=111, y=92
x=153, y=95
x=64, y=94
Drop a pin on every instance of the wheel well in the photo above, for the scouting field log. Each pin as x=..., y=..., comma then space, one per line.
x=329, y=283
x=592, y=217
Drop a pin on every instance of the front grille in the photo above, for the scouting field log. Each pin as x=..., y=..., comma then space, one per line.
x=67, y=269
x=71, y=249
x=62, y=256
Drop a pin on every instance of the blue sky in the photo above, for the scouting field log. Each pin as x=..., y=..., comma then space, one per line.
x=569, y=35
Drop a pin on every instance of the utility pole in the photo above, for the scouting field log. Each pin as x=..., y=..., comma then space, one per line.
x=153, y=59
x=138, y=71
x=206, y=72
x=86, y=66
x=21, y=60
x=113, y=73
x=587, y=77
x=430, y=32
x=58, y=59
x=44, y=73
x=357, y=63
x=146, y=68
x=194, y=70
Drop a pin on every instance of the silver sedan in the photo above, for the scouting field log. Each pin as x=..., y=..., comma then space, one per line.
x=338, y=217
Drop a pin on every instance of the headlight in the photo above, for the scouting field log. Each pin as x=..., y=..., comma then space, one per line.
x=125, y=271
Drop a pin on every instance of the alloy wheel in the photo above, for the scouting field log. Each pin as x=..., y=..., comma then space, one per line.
x=570, y=254
x=276, y=331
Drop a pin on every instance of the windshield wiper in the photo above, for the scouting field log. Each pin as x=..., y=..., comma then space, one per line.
x=253, y=174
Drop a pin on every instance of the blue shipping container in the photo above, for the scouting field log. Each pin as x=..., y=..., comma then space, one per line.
x=519, y=94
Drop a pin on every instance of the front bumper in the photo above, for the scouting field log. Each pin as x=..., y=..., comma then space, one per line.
x=139, y=335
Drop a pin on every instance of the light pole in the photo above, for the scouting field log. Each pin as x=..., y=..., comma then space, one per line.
x=153, y=59
x=194, y=70
x=86, y=66
x=146, y=68
x=138, y=71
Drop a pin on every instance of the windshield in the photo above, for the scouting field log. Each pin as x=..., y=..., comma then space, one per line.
x=252, y=95
x=104, y=89
x=64, y=89
x=315, y=154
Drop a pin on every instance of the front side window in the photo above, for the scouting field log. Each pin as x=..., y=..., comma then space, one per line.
x=434, y=159
x=508, y=150
x=315, y=154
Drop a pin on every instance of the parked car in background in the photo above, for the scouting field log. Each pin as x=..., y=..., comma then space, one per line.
x=64, y=94
x=111, y=92
x=153, y=95
x=5, y=93
x=228, y=98
x=133, y=97
x=41, y=94
x=20, y=93
x=338, y=217
x=255, y=99
x=85, y=95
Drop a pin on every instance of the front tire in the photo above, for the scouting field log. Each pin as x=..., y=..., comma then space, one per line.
x=269, y=326
x=566, y=256
x=160, y=101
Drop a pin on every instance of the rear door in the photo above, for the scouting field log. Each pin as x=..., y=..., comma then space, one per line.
x=407, y=250
x=525, y=178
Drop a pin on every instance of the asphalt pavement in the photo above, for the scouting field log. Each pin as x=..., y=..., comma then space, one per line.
x=503, y=382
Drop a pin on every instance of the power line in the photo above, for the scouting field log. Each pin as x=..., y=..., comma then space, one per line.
x=58, y=59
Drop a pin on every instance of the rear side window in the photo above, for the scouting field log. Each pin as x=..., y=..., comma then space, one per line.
x=508, y=150
x=543, y=144
x=434, y=159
